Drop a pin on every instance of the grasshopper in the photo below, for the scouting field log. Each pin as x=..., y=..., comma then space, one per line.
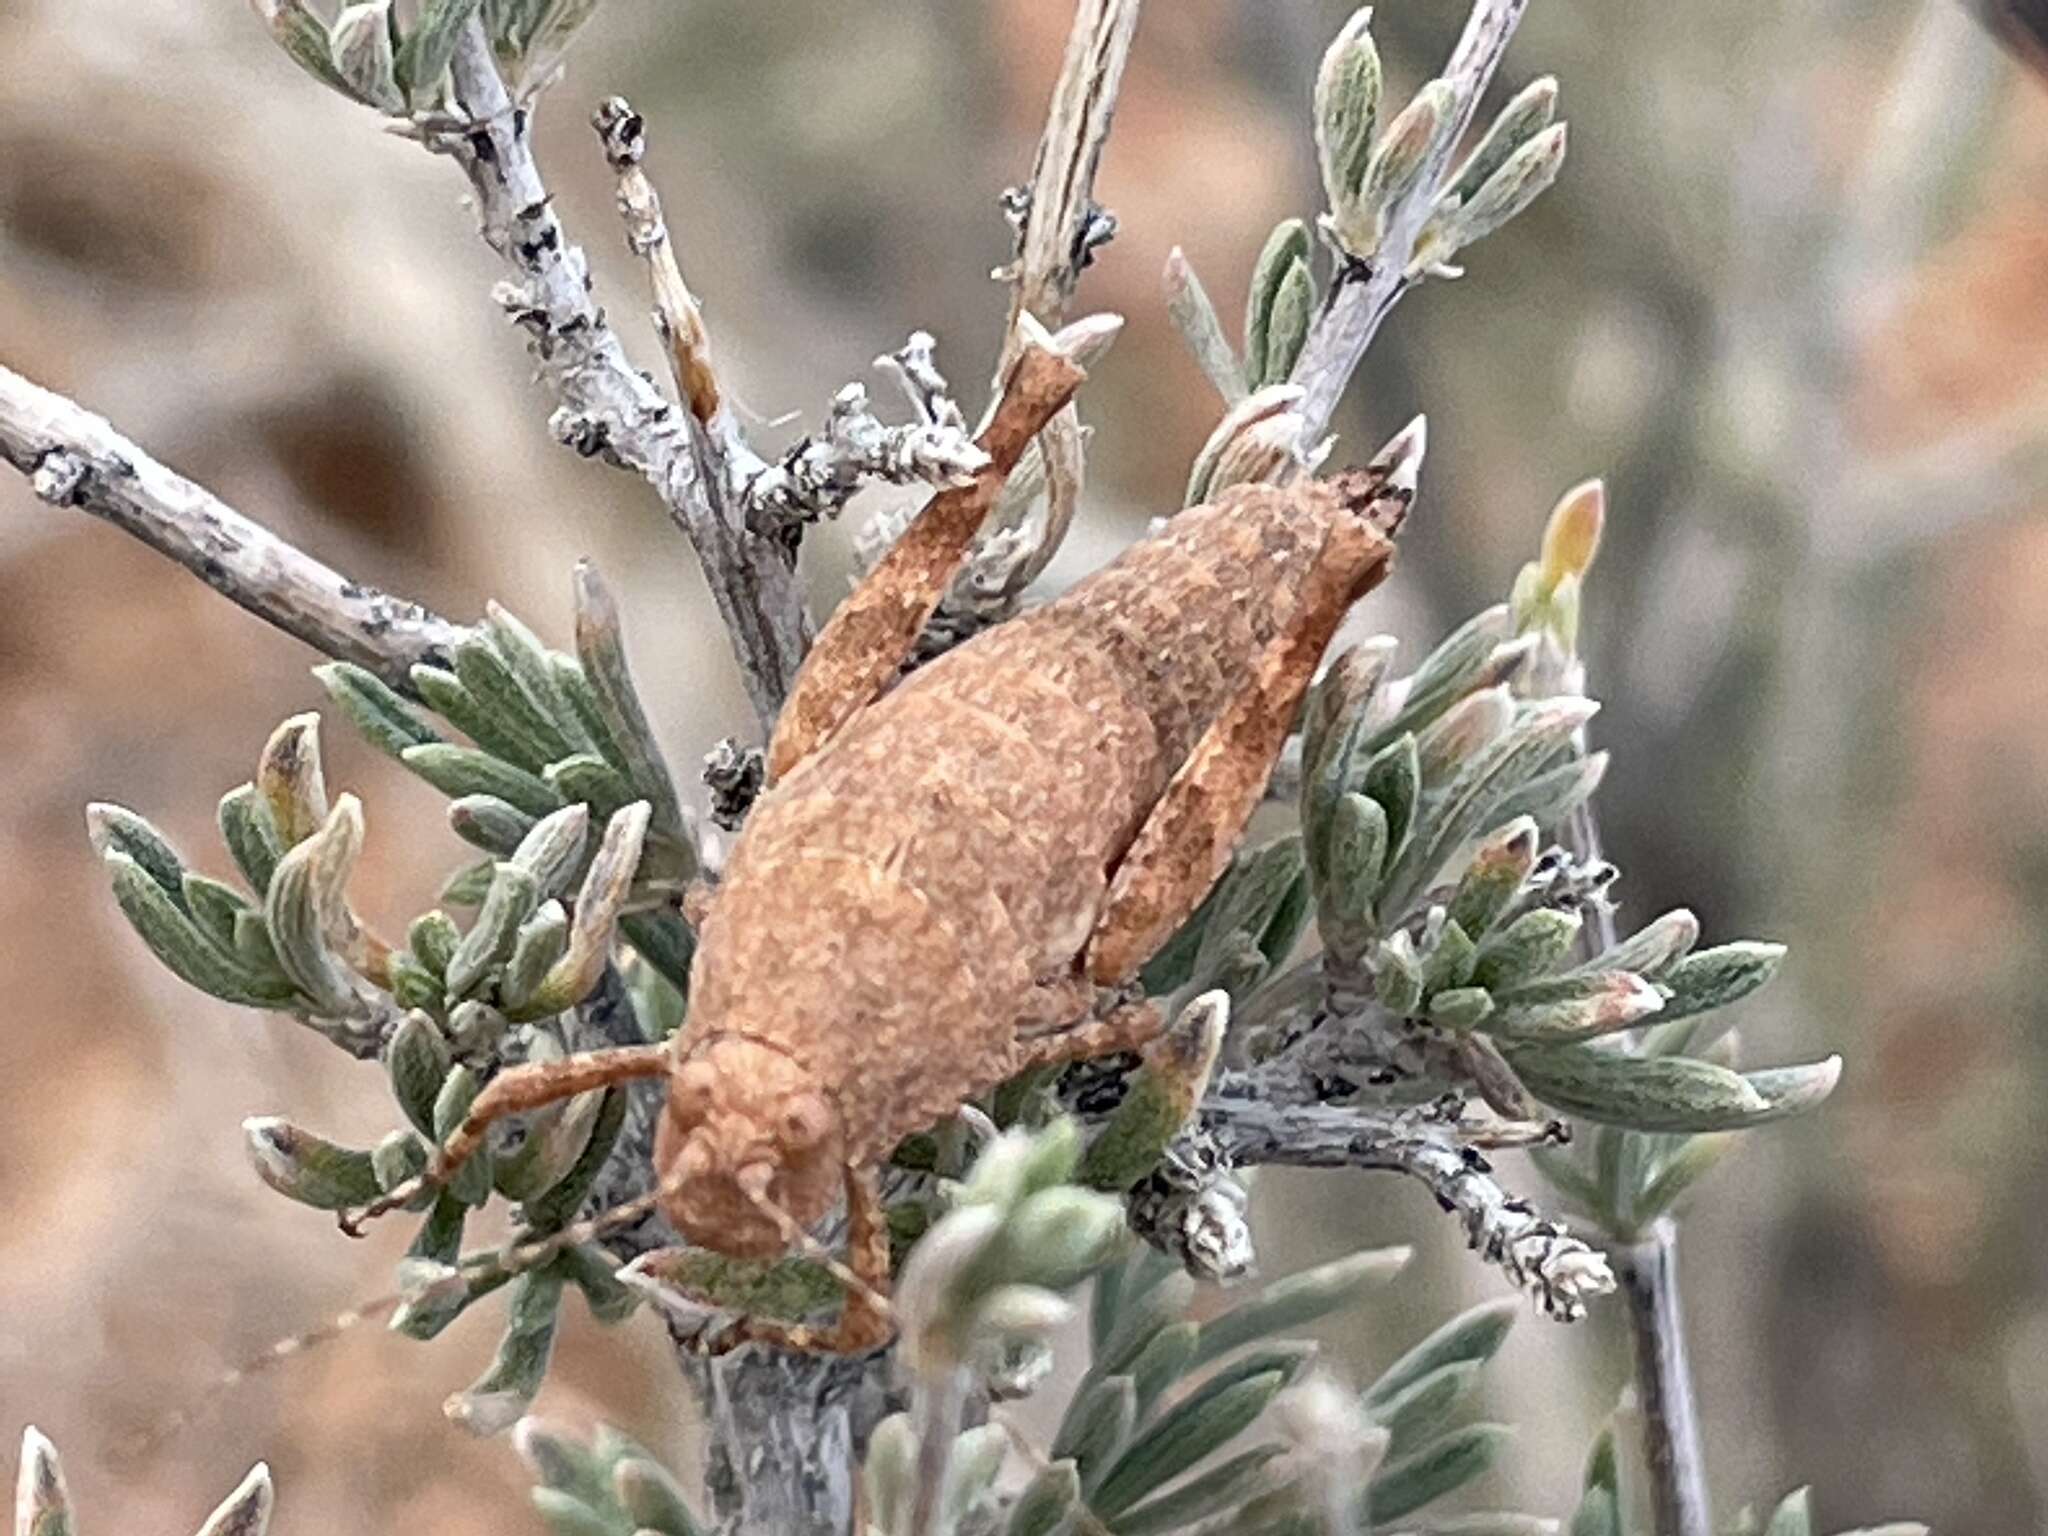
x=957, y=878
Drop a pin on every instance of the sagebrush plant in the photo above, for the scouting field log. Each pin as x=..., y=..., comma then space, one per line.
x=1467, y=990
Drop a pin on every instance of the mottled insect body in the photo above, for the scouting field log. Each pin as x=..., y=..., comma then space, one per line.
x=956, y=878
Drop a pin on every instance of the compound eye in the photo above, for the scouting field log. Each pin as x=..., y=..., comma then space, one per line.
x=691, y=1089
x=806, y=1121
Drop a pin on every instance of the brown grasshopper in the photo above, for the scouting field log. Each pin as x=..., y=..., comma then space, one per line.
x=957, y=878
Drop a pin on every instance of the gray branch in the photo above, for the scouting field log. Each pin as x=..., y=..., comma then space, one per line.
x=1365, y=292
x=75, y=459
x=1558, y=1271
x=606, y=407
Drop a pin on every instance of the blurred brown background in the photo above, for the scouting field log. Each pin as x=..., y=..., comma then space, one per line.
x=1789, y=297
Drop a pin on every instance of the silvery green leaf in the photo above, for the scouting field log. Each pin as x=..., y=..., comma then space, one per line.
x=1163, y=1362
x=566, y=1515
x=251, y=836
x=1419, y=1410
x=1258, y=883
x=1423, y=1476
x=1022, y=1309
x=433, y=938
x=971, y=1468
x=889, y=1475
x=556, y=1137
x=302, y=909
x=1677, y=1172
x=1223, y=1487
x=1122, y=1286
x=1459, y=732
x=1347, y=104
x=1713, y=978
x=543, y=939
x=303, y=37
x=1793, y=1090
x=519, y=719
x=475, y=1028
x=1393, y=777
x=254, y=949
x=1288, y=244
x=1550, y=796
x=246, y=1511
x=1205, y=1420
x=468, y=886
x=386, y=721
x=398, y=1157
x=1451, y=956
x=449, y=699
x=1397, y=975
x=1411, y=142
x=1529, y=947
x=457, y=771
x=214, y=907
x=652, y=1498
x=510, y=901
x=665, y=942
x=1139, y=1316
x=1652, y=948
x=500, y=1397
x=1526, y=176
x=423, y=56
x=1499, y=865
x=1793, y=1516
x=573, y=688
x=1460, y=1008
x=552, y=849
x=1336, y=709
x=182, y=945
x=532, y=663
x=1097, y=1426
x=1298, y=1300
x=1597, y=1514
x=1348, y=874
x=559, y=1205
x=472, y=1182
x=1188, y=306
x=1670, y=1093
x=289, y=779
x=360, y=44
x=308, y=1168
x=42, y=1503
x=487, y=822
x=600, y=646
x=1477, y=798
x=560, y=1463
x=1526, y=115
x=1058, y=1237
x=598, y=905
x=115, y=829
x=412, y=985
x=1475, y=1335
x=437, y=1251
x=418, y=1061
x=1266, y=403
x=1491, y=1523
x=1050, y=1504
x=1287, y=322
x=1483, y=652
x=590, y=779
x=1561, y=1167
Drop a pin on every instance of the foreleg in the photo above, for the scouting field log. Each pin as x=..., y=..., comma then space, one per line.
x=864, y=643
x=512, y=1092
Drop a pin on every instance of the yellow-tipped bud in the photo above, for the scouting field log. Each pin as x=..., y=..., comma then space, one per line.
x=1572, y=536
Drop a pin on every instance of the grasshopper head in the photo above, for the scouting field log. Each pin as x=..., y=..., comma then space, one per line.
x=750, y=1148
